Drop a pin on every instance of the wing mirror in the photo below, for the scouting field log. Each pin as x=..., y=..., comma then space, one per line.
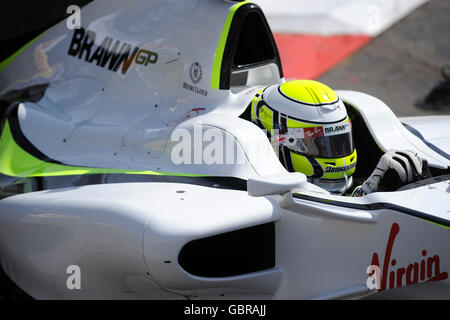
x=278, y=184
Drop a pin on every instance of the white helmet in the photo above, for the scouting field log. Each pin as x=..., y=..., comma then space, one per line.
x=309, y=125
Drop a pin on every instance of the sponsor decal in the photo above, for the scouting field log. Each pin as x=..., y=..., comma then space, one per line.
x=424, y=270
x=115, y=55
x=195, y=74
x=337, y=129
x=340, y=169
x=195, y=89
x=277, y=139
x=320, y=131
x=293, y=134
x=313, y=132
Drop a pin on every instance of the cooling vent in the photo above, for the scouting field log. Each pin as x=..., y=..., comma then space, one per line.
x=230, y=254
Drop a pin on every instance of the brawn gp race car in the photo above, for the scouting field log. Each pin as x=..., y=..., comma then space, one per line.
x=129, y=169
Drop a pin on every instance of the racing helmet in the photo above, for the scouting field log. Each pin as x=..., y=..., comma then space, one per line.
x=310, y=131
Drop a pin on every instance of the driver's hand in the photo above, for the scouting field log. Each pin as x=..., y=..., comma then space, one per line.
x=406, y=164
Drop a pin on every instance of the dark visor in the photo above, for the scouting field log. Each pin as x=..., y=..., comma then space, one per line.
x=335, y=146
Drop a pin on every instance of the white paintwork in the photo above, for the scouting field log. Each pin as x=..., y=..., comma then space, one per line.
x=116, y=233
x=141, y=148
x=122, y=234
x=116, y=237
x=388, y=131
x=309, y=208
x=326, y=266
x=422, y=199
x=100, y=118
x=170, y=229
x=269, y=185
x=435, y=129
x=107, y=94
x=336, y=17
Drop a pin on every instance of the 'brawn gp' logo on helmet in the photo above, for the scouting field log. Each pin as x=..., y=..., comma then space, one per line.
x=310, y=129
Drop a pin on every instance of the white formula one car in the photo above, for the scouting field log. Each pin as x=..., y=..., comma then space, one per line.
x=114, y=184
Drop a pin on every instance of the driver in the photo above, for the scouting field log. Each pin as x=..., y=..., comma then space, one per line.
x=309, y=128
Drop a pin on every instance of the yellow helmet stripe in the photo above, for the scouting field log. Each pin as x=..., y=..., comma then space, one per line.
x=308, y=92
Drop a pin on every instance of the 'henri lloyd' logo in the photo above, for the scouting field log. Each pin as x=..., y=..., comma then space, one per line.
x=195, y=74
x=108, y=54
x=428, y=269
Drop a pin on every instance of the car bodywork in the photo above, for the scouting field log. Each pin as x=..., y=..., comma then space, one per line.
x=88, y=177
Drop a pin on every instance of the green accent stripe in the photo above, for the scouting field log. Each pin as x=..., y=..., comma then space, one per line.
x=218, y=57
x=16, y=162
x=12, y=57
x=437, y=224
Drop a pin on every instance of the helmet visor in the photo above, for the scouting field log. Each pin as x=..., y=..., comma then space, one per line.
x=331, y=141
x=326, y=147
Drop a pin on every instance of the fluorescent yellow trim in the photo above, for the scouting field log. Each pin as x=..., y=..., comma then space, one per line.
x=218, y=57
x=297, y=124
x=291, y=123
x=16, y=162
x=437, y=224
x=266, y=117
x=308, y=91
x=301, y=164
x=255, y=101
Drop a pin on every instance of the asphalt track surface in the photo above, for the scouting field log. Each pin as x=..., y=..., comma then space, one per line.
x=403, y=64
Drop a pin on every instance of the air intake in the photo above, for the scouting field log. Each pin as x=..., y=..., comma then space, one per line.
x=230, y=254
